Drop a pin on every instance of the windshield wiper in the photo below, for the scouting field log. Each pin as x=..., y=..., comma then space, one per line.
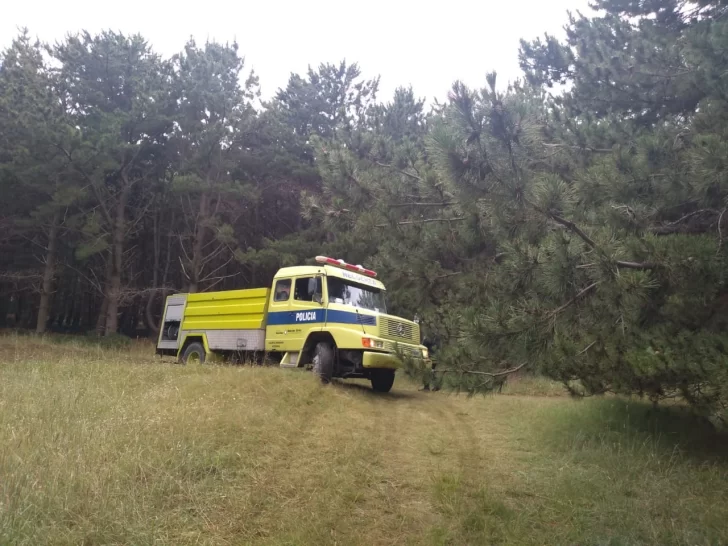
x=358, y=319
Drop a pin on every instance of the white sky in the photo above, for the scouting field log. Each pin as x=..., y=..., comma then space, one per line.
x=428, y=46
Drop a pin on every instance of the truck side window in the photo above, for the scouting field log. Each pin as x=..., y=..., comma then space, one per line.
x=283, y=290
x=306, y=288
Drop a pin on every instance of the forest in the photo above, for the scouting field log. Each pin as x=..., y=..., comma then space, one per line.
x=573, y=221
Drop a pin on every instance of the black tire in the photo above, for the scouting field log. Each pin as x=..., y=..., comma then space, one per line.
x=171, y=331
x=194, y=353
x=382, y=380
x=323, y=362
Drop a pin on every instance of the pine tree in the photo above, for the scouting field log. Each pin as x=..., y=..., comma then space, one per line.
x=214, y=113
x=607, y=204
x=116, y=92
x=33, y=138
x=329, y=102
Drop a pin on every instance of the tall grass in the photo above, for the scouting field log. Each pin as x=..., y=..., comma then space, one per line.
x=112, y=446
x=604, y=471
x=530, y=385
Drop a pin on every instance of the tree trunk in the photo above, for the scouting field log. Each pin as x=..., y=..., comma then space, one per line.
x=101, y=320
x=48, y=274
x=3, y=311
x=198, y=245
x=152, y=323
x=72, y=305
x=25, y=311
x=79, y=308
x=18, y=311
x=148, y=317
x=113, y=292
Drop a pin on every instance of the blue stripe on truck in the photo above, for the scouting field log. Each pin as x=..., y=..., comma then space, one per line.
x=297, y=317
x=345, y=317
x=308, y=316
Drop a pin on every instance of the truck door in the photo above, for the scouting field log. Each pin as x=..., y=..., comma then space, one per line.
x=308, y=312
x=295, y=309
x=279, y=317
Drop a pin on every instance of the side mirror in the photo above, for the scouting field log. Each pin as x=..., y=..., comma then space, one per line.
x=316, y=288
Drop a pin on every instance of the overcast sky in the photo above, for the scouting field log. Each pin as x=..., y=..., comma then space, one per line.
x=425, y=45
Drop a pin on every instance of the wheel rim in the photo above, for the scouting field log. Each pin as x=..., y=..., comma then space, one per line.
x=194, y=358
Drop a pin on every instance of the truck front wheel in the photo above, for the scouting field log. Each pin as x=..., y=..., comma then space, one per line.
x=382, y=380
x=323, y=362
x=194, y=354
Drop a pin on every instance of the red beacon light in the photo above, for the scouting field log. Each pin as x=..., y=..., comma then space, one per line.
x=342, y=264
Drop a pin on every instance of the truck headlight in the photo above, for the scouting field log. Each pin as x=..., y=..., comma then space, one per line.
x=373, y=343
x=425, y=352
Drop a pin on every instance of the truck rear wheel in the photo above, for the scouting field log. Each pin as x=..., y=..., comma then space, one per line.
x=323, y=362
x=194, y=354
x=382, y=380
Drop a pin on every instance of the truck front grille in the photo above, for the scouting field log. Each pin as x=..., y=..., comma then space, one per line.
x=407, y=350
x=399, y=330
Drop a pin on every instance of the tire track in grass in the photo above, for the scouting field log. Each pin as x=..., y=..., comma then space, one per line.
x=381, y=493
x=327, y=475
x=471, y=496
x=278, y=416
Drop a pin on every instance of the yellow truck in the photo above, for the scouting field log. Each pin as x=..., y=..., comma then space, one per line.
x=330, y=317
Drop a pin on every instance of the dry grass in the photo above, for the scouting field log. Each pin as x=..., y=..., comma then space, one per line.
x=105, y=447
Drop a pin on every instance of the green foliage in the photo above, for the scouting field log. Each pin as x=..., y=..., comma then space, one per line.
x=214, y=113
x=331, y=101
x=580, y=234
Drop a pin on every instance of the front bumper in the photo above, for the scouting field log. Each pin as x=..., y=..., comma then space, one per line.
x=374, y=359
x=381, y=360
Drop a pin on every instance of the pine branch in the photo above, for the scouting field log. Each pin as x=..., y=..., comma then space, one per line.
x=144, y=291
x=552, y=314
x=15, y=276
x=219, y=279
x=209, y=276
x=94, y=187
x=571, y=226
x=426, y=221
x=488, y=374
x=184, y=271
x=678, y=225
x=691, y=214
x=412, y=176
x=443, y=204
x=720, y=231
x=93, y=282
x=585, y=349
x=640, y=266
x=580, y=148
x=447, y=275
x=571, y=302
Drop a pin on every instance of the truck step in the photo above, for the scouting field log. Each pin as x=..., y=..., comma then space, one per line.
x=289, y=360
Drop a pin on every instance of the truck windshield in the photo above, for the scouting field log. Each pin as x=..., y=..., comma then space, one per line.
x=356, y=295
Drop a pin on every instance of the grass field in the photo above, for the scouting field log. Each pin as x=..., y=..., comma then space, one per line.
x=115, y=447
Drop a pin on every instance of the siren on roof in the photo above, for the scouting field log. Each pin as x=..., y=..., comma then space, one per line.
x=342, y=264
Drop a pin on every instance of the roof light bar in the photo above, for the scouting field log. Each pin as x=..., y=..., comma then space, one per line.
x=342, y=264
